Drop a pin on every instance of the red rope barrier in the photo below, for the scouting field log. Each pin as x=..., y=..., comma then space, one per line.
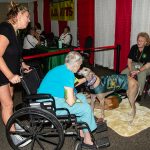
x=58, y=52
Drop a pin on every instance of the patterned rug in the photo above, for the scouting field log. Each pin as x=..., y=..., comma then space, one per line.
x=118, y=119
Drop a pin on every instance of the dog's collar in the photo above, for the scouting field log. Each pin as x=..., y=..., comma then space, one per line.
x=92, y=81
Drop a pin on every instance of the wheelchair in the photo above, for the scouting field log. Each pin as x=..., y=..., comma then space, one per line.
x=35, y=120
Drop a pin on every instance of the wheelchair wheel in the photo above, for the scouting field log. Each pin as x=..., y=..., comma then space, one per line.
x=39, y=129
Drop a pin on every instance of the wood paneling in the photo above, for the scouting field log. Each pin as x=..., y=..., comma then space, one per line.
x=4, y=9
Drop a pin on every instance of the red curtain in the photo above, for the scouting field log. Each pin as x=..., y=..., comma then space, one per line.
x=35, y=12
x=62, y=25
x=85, y=22
x=123, y=29
x=46, y=16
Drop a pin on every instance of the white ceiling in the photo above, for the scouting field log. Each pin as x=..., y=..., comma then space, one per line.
x=20, y=1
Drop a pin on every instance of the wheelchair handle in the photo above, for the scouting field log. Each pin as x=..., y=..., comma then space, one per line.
x=22, y=70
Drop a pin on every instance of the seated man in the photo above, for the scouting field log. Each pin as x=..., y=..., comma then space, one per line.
x=66, y=37
x=59, y=82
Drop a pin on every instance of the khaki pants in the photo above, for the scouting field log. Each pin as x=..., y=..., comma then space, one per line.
x=141, y=76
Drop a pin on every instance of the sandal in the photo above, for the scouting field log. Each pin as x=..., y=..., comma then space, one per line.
x=88, y=146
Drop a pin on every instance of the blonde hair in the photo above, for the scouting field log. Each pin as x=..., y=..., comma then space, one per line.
x=14, y=9
x=73, y=57
x=146, y=36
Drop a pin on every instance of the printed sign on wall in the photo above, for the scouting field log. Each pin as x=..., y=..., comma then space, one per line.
x=62, y=10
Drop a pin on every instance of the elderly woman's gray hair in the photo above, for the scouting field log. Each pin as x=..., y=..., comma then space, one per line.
x=73, y=57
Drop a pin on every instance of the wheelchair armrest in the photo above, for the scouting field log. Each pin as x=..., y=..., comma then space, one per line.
x=68, y=113
x=83, y=125
x=38, y=96
x=64, y=118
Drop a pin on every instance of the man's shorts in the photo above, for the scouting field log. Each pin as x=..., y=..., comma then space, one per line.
x=111, y=83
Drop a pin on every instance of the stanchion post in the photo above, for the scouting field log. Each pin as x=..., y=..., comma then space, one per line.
x=118, y=48
x=71, y=48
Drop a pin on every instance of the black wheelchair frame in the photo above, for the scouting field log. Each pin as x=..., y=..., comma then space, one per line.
x=39, y=123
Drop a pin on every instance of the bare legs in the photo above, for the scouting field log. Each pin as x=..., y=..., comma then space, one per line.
x=6, y=101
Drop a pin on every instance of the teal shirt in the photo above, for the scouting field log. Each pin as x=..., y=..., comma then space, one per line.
x=55, y=81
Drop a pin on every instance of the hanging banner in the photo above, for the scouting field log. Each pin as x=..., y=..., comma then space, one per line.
x=62, y=10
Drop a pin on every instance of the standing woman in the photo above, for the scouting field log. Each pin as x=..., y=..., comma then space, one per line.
x=10, y=56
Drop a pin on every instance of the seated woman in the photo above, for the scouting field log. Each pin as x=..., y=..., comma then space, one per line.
x=139, y=60
x=59, y=82
x=41, y=34
x=31, y=40
x=66, y=37
x=38, y=28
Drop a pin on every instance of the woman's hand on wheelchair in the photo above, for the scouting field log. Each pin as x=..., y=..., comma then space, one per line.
x=15, y=79
x=26, y=68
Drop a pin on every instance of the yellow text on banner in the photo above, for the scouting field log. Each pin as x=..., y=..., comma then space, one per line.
x=62, y=11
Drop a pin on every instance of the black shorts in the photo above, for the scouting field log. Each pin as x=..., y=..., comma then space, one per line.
x=3, y=79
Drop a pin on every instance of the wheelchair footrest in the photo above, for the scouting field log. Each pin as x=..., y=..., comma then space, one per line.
x=101, y=127
x=103, y=142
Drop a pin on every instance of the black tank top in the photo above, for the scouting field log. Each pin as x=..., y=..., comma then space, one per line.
x=12, y=53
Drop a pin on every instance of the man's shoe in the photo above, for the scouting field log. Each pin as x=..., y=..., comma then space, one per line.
x=17, y=139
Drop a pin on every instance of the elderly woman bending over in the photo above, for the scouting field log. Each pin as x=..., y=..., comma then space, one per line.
x=59, y=82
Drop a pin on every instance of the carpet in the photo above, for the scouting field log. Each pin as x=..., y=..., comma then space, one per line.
x=118, y=119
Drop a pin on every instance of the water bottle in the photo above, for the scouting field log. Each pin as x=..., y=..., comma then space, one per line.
x=59, y=44
x=45, y=41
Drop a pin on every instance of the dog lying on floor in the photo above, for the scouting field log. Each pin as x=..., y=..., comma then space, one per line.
x=111, y=101
x=101, y=87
